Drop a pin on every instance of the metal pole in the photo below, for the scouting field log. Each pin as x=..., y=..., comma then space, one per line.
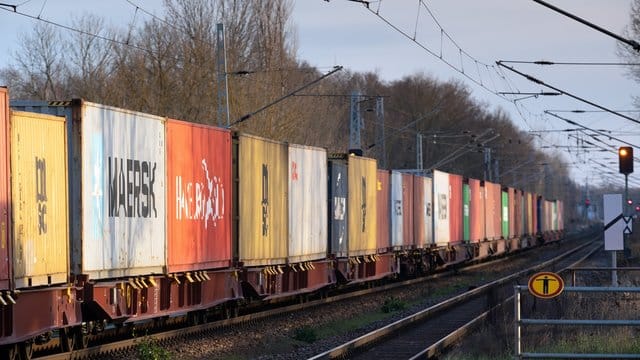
x=517, y=316
x=223, y=87
x=626, y=213
x=614, y=264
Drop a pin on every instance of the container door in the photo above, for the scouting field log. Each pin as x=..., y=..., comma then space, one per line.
x=338, y=214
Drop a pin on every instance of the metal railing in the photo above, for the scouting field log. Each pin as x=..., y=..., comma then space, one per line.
x=520, y=322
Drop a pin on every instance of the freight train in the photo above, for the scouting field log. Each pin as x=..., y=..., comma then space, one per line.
x=112, y=217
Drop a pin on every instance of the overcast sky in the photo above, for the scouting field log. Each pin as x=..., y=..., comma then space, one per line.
x=341, y=32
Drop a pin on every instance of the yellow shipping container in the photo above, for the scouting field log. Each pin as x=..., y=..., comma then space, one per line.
x=362, y=206
x=39, y=199
x=262, y=192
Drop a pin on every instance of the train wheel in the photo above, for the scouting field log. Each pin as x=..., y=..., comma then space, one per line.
x=26, y=350
x=67, y=339
x=81, y=339
x=10, y=352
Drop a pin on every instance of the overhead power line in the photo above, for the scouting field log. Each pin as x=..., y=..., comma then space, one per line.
x=540, y=82
x=634, y=44
x=577, y=63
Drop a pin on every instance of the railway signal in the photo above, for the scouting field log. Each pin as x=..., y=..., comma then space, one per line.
x=625, y=155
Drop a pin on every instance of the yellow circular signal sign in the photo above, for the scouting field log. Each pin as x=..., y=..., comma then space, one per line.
x=546, y=285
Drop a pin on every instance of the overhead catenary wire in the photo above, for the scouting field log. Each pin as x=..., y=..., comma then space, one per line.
x=540, y=82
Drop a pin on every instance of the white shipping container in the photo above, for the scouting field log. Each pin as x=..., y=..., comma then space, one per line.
x=397, y=207
x=307, y=203
x=123, y=192
x=427, y=213
x=441, y=194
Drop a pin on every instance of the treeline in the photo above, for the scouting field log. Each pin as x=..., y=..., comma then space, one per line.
x=168, y=67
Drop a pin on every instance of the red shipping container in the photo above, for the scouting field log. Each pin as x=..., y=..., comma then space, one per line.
x=5, y=203
x=476, y=211
x=493, y=210
x=407, y=204
x=382, y=188
x=455, y=208
x=198, y=197
x=517, y=196
x=512, y=212
x=419, y=207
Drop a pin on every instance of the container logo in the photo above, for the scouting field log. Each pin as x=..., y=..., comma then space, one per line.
x=41, y=194
x=294, y=171
x=131, y=191
x=195, y=201
x=397, y=206
x=363, y=205
x=442, y=206
x=265, y=200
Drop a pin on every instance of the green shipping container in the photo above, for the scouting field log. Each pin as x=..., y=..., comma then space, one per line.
x=505, y=215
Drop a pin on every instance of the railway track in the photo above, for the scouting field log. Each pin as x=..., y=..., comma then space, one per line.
x=125, y=348
x=426, y=334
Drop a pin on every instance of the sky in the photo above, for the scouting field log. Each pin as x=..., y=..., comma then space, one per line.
x=453, y=40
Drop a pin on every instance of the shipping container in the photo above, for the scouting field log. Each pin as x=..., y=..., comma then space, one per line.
x=5, y=194
x=402, y=214
x=383, y=211
x=476, y=211
x=466, y=203
x=307, y=203
x=121, y=159
x=529, y=207
x=262, y=201
x=422, y=211
x=40, y=203
x=199, y=191
x=455, y=208
x=338, y=214
x=518, y=229
x=362, y=206
x=441, y=199
x=505, y=213
x=512, y=212
x=493, y=211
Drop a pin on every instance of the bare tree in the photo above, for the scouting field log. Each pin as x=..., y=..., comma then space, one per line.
x=39, y=68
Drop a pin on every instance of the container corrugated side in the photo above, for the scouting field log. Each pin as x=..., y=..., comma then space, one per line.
x=505, y=214
x=382, y=214
x=40, y=204
x=123, y=191
x=307, y=203
x=466, y=203
x=477, y=212
x=5, y=194
x=407, y=195
x=199, y=190
x=529, y=209
x=338, y=189
x=263, y=201
x=455, y=208
x=419, y=212
x=423, y=219
x=441, y=194
x=493, y=211
x=397, y=211
x=517, y=213
x=362, y=206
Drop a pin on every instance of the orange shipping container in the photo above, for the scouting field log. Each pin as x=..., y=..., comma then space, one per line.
x=262, y=199
x=40, y=204
x=477, y=211
x=362, y=207
x=5, y=200
x=198, y=197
